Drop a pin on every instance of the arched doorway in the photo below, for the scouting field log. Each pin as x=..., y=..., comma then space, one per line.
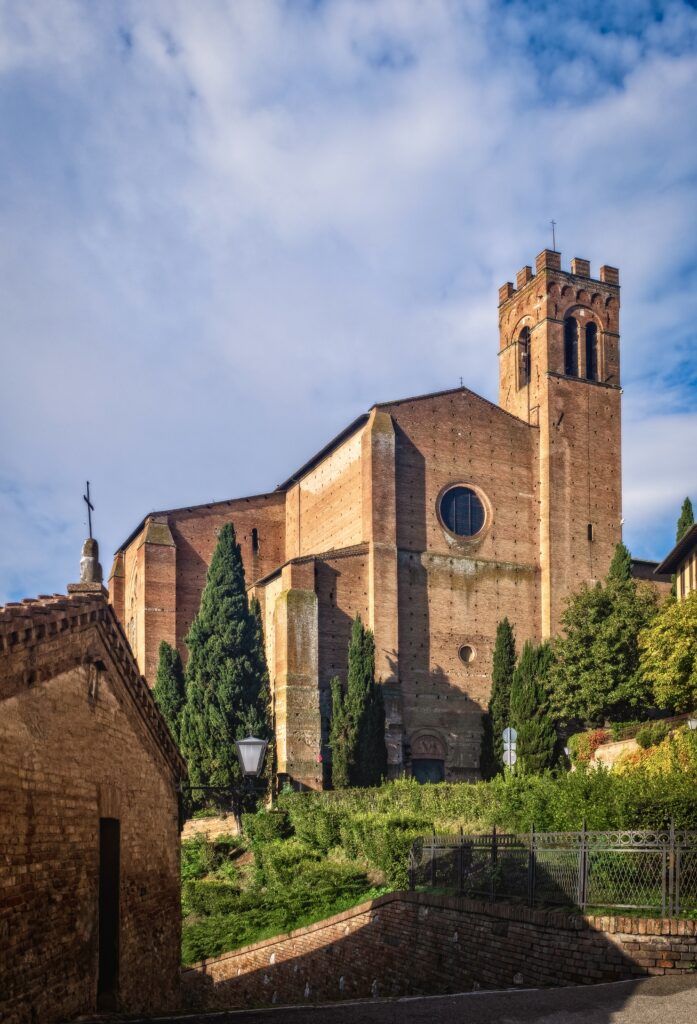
x=428, y=757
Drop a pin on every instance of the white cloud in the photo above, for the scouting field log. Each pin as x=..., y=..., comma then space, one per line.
x=229, y=227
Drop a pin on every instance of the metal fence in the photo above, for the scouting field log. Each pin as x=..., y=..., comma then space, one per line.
x=651, y=871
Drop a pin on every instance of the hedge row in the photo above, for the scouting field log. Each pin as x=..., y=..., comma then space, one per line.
x=636, y=799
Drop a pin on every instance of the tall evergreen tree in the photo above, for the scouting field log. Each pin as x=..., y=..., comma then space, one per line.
x=226, y=677
x=341, y=738
x=686, y=520
x=596, y=673
x=357, y=737
x=501, y=679
x=529, y=710
x=168, y=690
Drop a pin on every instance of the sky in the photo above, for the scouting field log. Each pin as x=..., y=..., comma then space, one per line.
x=228, y=227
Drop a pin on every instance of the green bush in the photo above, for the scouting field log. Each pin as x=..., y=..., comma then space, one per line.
x=198, y=858
x=651, y=734
x=582, y=745
x=278, y=864
x=206, y=896
x=618, y=728
x=265, y=826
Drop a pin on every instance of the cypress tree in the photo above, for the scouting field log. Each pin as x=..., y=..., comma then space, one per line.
x=168, y=690
x=340, y=738
x=686, y=520
x=357, y=736
x=529, y=712
x=500, y=700
x=226, y=677
x=620, y=570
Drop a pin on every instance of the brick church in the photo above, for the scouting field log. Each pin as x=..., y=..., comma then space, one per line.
x=433, y=517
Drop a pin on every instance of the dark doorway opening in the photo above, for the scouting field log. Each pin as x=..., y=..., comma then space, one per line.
x=109, y=879
x=428, y=769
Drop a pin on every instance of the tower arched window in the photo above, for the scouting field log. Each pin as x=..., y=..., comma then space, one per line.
x=592, y=351
x=571, y=347
x=524, y=357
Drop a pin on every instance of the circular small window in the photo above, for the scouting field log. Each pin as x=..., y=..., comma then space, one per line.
x=462, y=511
x=467, y=654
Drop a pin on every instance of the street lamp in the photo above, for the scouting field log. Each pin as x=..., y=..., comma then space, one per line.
x=251, y=753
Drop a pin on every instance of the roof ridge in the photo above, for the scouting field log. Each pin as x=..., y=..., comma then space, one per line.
x=79, y=610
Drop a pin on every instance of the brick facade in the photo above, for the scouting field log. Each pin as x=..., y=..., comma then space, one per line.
x=358, y=530
x=462, y=944
x=82, y=741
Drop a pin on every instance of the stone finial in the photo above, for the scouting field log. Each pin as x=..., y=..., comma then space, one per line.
x=91, y=575
x=90, y=569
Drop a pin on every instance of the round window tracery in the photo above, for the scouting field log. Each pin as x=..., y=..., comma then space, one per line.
x=462, y=511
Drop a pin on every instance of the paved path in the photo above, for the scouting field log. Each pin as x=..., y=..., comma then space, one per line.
x=670, y=999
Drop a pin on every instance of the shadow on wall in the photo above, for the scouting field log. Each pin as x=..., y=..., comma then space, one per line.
x=410, y=944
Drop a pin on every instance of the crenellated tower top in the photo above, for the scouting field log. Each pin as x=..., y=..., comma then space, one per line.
x=555, y=321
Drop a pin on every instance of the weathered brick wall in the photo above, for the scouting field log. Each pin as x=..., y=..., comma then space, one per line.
x=324, y=509
x=195, y=534
x=579, y=420
x=454, y=592
x=67, y=760
x=416, y=944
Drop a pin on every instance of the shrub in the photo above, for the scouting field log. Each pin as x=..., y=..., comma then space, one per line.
x=384, y=842
x=316, y=824
x=265, y=826
x=197, y=858
x=206, y=896
x=278, y=864
x=651, y=734
x=582, y=745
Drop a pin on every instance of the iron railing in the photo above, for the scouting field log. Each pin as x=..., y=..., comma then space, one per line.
x=653, y=871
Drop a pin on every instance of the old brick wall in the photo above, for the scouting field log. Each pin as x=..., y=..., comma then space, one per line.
x=579, y=420
x=324, y=509
x=417, y=944
x=453, y=592
x=163, y=579
x=68, y=759
x=195, y=534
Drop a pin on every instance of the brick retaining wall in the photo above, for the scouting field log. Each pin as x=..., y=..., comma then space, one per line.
x=416, y=943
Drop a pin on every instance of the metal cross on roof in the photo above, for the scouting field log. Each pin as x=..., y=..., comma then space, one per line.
x=90, y=508
x=554, y=236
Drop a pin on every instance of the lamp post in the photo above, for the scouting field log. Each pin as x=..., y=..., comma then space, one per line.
x=250, y=752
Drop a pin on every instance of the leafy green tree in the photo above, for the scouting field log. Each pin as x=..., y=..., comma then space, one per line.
x=357, y=735
x=669, y=654
x=529, y=710
x=168, y=691
x=596, y=673
x=501, y=680
x=686, y=520
x=226, y=678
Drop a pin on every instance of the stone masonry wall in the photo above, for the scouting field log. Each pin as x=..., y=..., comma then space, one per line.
x=418, y=944
x=69, y=757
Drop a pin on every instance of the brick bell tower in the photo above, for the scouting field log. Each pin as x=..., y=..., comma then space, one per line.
x=560, y=372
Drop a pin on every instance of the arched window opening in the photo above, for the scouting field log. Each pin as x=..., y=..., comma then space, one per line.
x=592, y=351
x=524, y=357
x=571, y=347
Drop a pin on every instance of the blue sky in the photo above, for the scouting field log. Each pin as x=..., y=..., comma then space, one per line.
x=229, y=227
